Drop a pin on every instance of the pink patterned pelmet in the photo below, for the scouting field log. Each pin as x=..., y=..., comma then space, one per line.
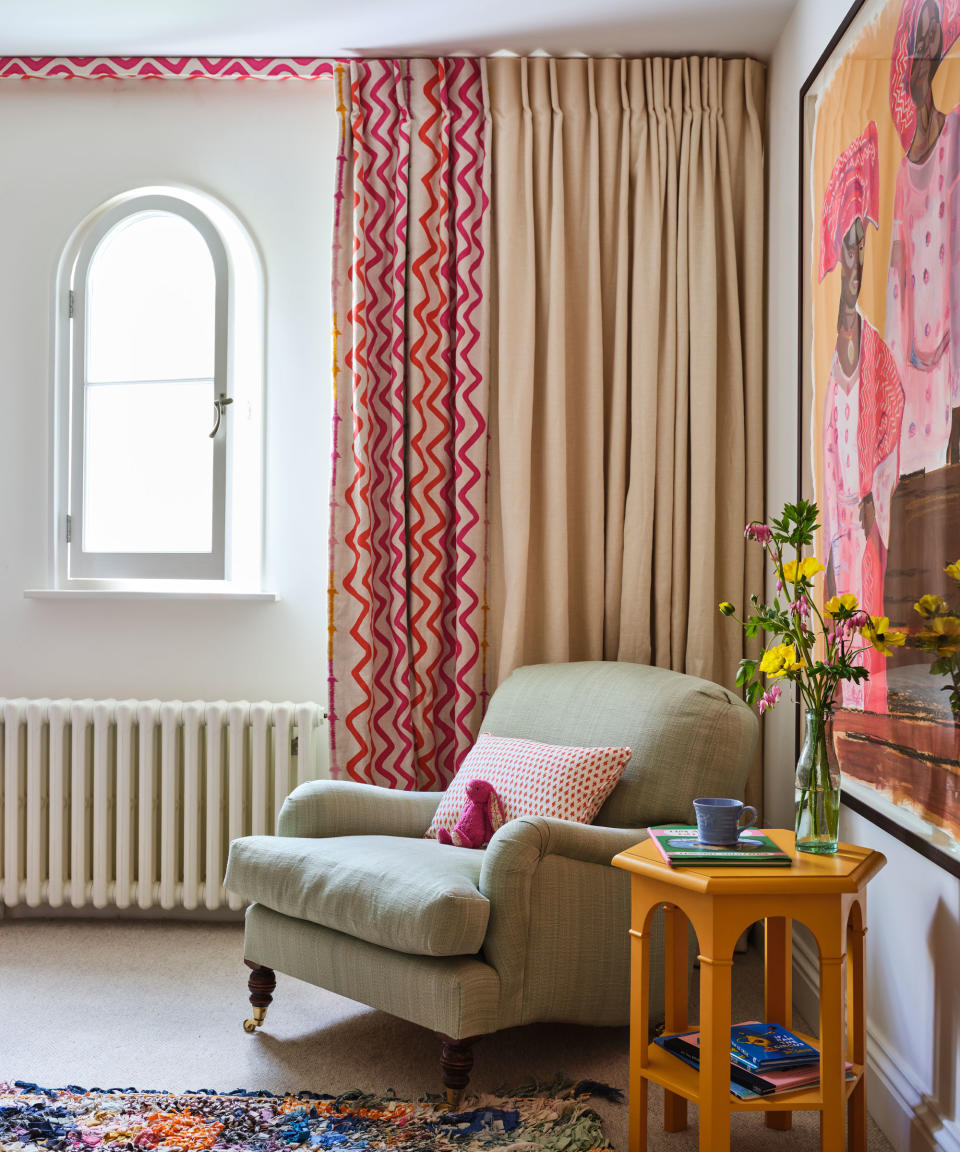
x=163, y=67
x=410, y=431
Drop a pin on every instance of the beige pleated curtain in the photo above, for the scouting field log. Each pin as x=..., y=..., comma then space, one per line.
x=626, y=370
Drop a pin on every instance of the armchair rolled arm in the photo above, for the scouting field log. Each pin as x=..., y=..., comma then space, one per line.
x=524, y=842
x=346, y=808
x=535, y=864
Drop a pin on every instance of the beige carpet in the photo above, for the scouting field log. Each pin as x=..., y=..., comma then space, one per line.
x=149, y=1004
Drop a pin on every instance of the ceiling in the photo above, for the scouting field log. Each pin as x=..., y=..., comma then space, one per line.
x=389, y=27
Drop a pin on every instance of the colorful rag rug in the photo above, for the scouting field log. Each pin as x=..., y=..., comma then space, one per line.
x=74, y=1119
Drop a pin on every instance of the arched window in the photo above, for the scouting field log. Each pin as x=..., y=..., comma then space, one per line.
x=164, y=363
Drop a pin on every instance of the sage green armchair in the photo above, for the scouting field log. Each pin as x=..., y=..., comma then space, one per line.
x=349, y=895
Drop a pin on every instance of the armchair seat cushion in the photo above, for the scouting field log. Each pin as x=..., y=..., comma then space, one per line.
x=410, y=895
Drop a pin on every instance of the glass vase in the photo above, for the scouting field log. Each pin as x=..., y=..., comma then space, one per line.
x=817, y=787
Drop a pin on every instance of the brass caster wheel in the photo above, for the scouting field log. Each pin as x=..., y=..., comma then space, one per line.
x=259, y=1015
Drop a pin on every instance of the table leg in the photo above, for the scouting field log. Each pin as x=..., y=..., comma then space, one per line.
x=638, y=1115
x=832, y=1078
x=857, y=1026
x=676, y=995
x=778, y=990
x=715, y=1054
x=639, y=1029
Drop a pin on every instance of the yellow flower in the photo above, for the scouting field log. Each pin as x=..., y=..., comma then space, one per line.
x=780, y=661
x=847, y=600
x=881, y=637
x=726, y=607
x=943, y=637
x=930, y=605
x=953, y=570
x=805, y=569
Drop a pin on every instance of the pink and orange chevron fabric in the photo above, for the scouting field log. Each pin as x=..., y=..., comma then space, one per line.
x=163, y=68
x=407, y=526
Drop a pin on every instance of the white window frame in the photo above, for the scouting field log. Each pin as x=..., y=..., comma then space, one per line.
x=235, y=562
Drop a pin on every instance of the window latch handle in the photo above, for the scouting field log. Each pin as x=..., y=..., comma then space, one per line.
x=220, y=406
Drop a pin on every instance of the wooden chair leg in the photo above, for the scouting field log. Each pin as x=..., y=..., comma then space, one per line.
x=261, y=984
x=456, y=1060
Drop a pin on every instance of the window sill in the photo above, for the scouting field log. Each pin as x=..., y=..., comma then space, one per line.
x=144, y=594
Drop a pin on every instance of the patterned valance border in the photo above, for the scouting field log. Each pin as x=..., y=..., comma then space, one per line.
x=164, y=67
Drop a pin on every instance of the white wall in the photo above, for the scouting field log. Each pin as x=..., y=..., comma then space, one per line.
x=267, y=151
x=913, y=941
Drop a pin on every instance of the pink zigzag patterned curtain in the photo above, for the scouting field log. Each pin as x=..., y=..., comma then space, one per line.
x=407, y=540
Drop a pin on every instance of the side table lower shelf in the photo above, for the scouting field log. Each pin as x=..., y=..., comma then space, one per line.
x=675, y=1076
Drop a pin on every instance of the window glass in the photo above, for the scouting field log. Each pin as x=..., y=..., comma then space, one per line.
x=149, y=389
x=150, y=302
x=149, y=467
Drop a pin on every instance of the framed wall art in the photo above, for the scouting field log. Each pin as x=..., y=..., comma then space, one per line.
x=879, y=395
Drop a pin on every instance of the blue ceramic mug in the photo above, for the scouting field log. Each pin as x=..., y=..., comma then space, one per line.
x=718, y=820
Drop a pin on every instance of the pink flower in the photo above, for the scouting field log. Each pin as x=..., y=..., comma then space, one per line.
x=769, y=698
x=859, y=620
x=800, y=607
x=759, y=532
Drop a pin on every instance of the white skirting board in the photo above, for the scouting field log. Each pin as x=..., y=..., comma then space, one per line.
x=113, y=913
x=897, y=1099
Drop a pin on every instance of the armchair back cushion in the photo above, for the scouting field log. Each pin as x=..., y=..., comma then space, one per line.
x=690, y=737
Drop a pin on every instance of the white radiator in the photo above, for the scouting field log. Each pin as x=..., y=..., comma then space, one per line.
x=135, y=802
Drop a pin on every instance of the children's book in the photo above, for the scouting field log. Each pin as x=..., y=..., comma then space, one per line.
x=765, y=1047
x=678, y=845
x=788, y=1079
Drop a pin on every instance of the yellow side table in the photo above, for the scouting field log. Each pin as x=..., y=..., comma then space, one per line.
x=828, y=895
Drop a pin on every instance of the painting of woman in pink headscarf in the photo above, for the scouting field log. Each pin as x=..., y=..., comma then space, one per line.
x=923, y=288
x=879, y=397
x=863, y=410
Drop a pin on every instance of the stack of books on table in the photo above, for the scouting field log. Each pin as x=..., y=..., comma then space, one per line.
x=678, y=844
x=764, y=1058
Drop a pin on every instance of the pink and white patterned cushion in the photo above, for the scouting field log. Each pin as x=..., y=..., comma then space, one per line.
x=534, y=779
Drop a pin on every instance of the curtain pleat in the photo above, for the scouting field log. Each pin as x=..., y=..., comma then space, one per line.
x=626, y=368
x=407, y=532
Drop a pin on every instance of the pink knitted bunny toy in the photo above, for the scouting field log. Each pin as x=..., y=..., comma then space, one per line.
x=482, y=815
